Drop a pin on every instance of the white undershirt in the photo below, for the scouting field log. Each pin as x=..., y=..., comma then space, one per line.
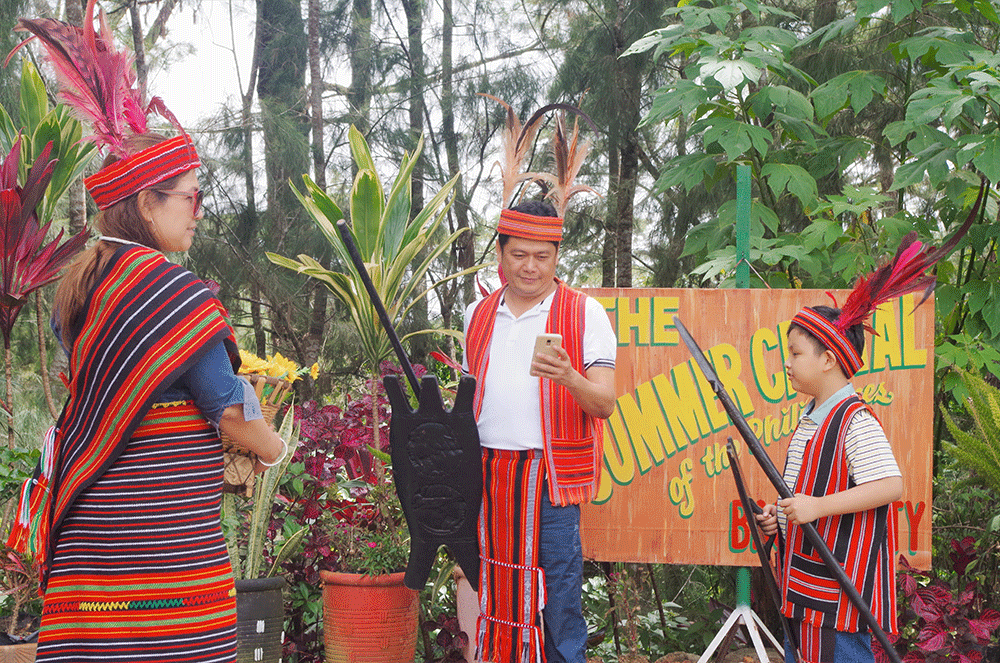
x=511, y=417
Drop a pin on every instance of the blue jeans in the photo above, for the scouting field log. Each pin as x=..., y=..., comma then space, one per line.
x=561, y=555
x=848, y=648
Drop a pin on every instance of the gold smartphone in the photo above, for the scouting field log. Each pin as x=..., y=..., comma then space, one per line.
x=546, y=344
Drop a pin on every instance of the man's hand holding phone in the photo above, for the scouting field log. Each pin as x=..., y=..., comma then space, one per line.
x=548, y=355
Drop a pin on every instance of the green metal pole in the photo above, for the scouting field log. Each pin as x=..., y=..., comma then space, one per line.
x=742, y=226
x=743, y=281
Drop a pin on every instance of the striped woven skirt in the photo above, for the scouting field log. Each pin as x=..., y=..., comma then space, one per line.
x=511, y=584
x=140, y=571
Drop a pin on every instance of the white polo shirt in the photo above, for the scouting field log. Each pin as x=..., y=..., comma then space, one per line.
x=511, y=416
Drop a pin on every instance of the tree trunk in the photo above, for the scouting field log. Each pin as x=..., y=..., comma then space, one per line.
x=464, y=248
x=43, y=356
x=414, y=32
x=9, y=375
x=280, y=89
x=139, y=46
x=74, y=12
x=626, y=118
x=359, y=43
x=316, y=97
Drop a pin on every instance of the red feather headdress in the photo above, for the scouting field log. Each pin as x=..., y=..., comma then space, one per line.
x=98, y=82
x=907, y=272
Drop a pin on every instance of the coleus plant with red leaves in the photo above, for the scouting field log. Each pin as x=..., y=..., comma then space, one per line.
x=939, y=623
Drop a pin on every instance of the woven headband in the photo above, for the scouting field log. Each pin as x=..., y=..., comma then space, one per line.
x=142, y=170
x=831, y=337
x=529, y=226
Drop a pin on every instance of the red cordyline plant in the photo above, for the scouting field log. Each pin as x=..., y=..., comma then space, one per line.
x=26, y=261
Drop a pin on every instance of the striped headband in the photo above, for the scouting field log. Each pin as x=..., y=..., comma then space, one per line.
x=529, y=226
x=833, y=338
x=142, y=170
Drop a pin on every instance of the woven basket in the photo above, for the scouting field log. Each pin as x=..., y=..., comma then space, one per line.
x=239, y=461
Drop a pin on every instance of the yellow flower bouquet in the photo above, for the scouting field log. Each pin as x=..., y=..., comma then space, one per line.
x=272, y=379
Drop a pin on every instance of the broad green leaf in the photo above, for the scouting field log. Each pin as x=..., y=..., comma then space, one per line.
x=737, y=138
x=978, y=294
x=871, y=7
x=761, y=214
x=687, y=171
x=8, y=132
x=366, y=211
x=359, y=150
x=795, y=179
x=790, y=102
x=680, y=99
x=988, y=10
x=988, y=160
x=901, y=9
x=34, y=103
x=838, y=29
x=853, y=88
x=730, y=74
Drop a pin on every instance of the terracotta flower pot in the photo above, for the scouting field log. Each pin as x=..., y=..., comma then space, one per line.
x=368, y=619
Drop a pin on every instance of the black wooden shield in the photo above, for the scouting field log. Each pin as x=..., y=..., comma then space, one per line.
x=437, y=467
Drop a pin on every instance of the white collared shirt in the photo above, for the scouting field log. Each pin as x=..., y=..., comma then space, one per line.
x=511, y=416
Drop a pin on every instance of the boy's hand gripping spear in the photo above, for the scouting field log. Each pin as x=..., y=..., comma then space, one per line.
x=774, y=476
x=436, y=459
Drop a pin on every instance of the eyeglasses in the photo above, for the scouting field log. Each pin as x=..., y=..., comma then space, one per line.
x=197, y=195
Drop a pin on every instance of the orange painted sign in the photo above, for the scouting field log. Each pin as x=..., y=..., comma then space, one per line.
x=666, y=493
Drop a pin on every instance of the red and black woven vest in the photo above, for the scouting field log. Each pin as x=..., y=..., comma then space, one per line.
x=573, y=439
x=864, y=542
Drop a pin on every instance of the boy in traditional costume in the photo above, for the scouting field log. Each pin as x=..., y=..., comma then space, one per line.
x=539, y=420
x=842, y=471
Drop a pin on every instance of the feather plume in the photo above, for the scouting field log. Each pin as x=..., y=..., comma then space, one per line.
x=95, y=78
x=568, y=154
x=907, y=272
x=516, y=140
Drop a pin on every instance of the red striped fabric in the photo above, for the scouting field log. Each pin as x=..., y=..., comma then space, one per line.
x=142, y=170
x=832, y=338
x=146, y=322
x=529, y=226
x=864, y=542
x=511, y=585
x=573, y=440
x=140, y=569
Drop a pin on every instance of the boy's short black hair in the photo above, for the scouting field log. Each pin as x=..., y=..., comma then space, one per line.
x=535, y=208
x=855, y=333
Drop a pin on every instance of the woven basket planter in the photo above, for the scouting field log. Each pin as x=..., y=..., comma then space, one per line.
x=239, y=461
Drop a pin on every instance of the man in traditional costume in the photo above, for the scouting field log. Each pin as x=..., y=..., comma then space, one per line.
x=539, y=420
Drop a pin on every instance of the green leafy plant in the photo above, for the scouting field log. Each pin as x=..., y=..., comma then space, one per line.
x=248, y=558
x=977, y=448
x=398, y=248
x=39, y=126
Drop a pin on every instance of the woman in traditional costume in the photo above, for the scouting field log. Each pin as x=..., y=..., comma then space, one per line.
x=123, y=511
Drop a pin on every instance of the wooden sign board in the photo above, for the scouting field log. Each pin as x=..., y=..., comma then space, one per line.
x=666, y=494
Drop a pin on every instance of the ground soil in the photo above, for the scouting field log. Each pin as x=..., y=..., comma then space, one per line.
x=736, y=655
